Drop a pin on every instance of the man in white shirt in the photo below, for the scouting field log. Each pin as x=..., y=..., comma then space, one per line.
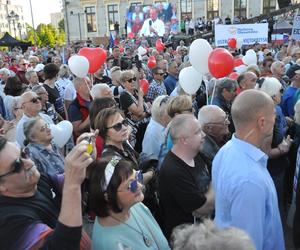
x=153, y=27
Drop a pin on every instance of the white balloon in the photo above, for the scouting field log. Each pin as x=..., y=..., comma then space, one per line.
x=241, y=69
x=79, y=65
x=61, y=132
x=198, y=55
x=250, y=57
x=190, y=80
x=239, y=42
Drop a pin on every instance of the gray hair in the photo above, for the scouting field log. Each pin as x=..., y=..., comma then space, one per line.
x=64, y=71
x=209, y=237
x=275, y=65
x=159, y=107
x=270, y=85
x=12, y=105
x=225, y=83
x=5, y=71
x=37, y=88
x=179, y=126
x=208, y=113
x=28, y=129
x=29, y=73
x=97, y=88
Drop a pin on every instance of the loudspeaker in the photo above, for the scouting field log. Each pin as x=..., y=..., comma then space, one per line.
x=283, y=3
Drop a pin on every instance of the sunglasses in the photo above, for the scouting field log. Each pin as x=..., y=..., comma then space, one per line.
x=17, y=165
x=132, y=79
x=34, y=100
x=164, y=100
x=225, y=122
x=118, y=126
x=133, y=184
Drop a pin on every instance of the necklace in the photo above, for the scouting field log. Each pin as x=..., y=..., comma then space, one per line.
x=147, y=240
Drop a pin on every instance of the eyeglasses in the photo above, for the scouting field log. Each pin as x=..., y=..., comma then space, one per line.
x=45, y=127
x=161, y=74
x=118, y=126
x=225, y=122
x=17, y=165
x=133, y=79
x=34, y=100
x=133, y=184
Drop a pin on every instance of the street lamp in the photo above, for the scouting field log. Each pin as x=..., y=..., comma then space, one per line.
x=14, y=18
x=20, y=29
x=78, y=15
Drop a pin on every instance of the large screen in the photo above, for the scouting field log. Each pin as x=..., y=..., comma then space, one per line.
x=152, y=20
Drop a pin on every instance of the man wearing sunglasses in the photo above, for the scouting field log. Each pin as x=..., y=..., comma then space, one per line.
x=157, y=86
x=31, y=106
x=35, y=211
x=22, y=68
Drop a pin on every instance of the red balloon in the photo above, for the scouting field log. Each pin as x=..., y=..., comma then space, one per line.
x=220, y=62
x=234, y=75
x=159, y=45
x=151, y=63
x=144, y=84
x=130, y=35
x=95, y=56
x=238, y=62
x=231, y=43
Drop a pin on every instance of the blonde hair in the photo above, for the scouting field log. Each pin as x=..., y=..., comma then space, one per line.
x=179, y=104
x=126, y=75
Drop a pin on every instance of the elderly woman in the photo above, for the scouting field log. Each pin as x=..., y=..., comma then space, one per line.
x=116, y=87
x=39, y=146
x=63, y=79
x=122, y=222
x=16, y=111
x=133, y=104
x=278, y=160
x=154, y=138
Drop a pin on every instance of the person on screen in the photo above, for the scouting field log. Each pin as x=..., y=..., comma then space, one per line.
x=153, y=26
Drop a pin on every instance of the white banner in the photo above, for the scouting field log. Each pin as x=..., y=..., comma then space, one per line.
x=251, y=33
x=296, y=28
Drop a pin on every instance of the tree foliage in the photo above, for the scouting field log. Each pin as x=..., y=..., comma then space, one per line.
x=61, y=25
x=46, y=35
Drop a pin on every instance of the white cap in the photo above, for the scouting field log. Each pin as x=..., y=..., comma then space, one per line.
x=39, y=67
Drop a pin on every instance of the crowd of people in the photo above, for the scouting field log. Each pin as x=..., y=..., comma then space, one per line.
x=151, y=166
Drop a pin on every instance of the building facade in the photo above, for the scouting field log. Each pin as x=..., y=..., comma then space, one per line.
x=96, y=18
x=56, y=18
x=12, y=20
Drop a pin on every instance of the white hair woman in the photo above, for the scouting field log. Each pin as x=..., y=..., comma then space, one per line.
x=279, y=147
x=155, y=134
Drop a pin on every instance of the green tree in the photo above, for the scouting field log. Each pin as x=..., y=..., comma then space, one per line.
x=46, y=35
x=61, y=25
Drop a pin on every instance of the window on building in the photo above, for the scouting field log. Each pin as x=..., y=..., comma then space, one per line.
x=186, y=9
x=240, y=8
x=91, y=19
x=112, y=11
x=212, y=9
x=135, y=4
x=269, y=6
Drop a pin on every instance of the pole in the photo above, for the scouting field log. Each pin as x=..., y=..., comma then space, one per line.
x=34, y=34
x=78, y=14
x=67, y=21
x=14, y=24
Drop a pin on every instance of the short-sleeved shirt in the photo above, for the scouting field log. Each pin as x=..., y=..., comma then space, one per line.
x=181, y=189
x=155, y=90
x=55, y=99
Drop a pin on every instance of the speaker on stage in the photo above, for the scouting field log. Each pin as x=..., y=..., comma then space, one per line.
x=283, y=3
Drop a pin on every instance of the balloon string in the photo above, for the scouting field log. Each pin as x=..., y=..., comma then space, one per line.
x=213, y=93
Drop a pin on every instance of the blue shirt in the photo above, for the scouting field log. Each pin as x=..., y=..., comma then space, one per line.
x=287, y=101
x=170, y=83
x=155, y=90
x=128, y=236
x=245, y=196
x=154, y=140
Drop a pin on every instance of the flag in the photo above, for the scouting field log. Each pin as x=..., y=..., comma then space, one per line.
x=111, y=41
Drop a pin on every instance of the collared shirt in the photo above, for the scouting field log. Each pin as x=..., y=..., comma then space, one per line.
x=158, y=25
x=245, y=195
x=20, y=137
x=154, y=140
x=47, y=161
x=155, y=89
x=287, y=101
x=170, y=83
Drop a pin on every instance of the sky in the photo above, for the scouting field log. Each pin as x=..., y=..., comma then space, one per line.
x=41, y=10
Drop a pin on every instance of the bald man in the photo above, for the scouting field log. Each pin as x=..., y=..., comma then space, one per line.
x=245, y=193
x=184, y=182
x=247, y=80
x=214, y=122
